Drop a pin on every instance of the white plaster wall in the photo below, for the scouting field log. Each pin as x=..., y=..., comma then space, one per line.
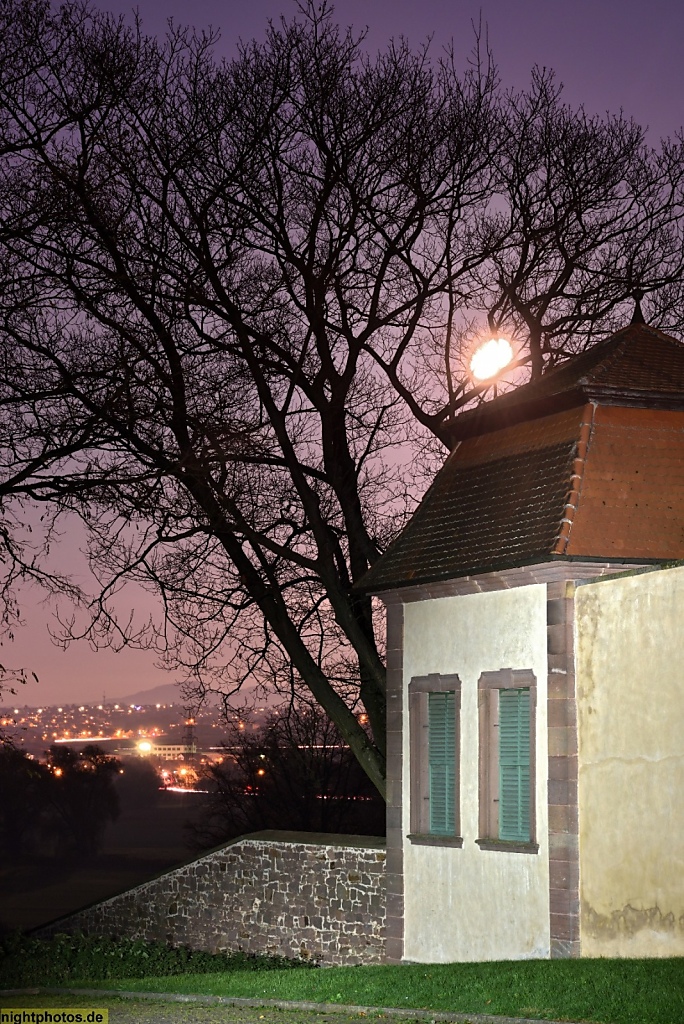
x=472, y=904
x=630, y=682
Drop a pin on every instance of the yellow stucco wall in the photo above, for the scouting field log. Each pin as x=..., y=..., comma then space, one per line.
x=629, y=637
x=473, y=904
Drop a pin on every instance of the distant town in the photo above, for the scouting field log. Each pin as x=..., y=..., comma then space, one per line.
x=176, y=743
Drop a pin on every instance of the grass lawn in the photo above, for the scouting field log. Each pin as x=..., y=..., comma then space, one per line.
x=605, y=991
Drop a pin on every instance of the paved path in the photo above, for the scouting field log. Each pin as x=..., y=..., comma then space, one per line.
x=142, y=1008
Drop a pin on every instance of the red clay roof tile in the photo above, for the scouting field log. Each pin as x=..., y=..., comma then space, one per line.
x=632, y=493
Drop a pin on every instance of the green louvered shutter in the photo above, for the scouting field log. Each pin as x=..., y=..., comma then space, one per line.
x=442, y=761
x=514, y=765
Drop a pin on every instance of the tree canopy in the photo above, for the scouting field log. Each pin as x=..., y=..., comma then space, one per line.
x=238, y=299
x=61, y=807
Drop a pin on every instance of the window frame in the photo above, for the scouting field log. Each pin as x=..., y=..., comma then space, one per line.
x=418, y=695
x=489, y=686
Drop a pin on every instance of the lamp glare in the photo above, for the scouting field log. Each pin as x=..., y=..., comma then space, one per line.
x=490, y=358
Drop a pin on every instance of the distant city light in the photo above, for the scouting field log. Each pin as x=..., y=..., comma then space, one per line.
x=184, y=789
x=490, y=358
x=152, y=741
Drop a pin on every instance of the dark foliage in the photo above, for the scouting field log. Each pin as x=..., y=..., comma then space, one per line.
x=82, y=797
x=60, y=808
x=67, y=958
x=24, y=785
x=138, y=784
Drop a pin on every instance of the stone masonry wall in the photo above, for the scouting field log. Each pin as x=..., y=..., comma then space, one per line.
x=317, y=896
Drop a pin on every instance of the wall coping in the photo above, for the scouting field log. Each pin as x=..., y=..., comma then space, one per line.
x=312, y=839
x=638, y=571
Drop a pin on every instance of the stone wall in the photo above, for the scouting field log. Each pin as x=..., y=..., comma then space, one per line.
x=295, y=894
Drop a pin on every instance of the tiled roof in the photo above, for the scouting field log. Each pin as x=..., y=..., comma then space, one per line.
x=594, y=481
x=498, y=499
x=637, y=365
x=631, y=499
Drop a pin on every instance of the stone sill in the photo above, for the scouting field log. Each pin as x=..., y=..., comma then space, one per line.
x=506, y=846
x=419, y=839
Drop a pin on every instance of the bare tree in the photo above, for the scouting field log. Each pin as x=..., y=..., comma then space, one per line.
x=233, y=305
x=587, y=216
x=22, y=555
x=295, y=772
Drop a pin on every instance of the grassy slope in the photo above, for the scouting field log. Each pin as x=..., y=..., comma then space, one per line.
x=606, y=991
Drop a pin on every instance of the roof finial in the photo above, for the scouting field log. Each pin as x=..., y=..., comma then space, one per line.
x=637, y=315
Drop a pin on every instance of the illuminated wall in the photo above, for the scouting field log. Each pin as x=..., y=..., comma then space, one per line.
x=631, y=764
x=469, y=903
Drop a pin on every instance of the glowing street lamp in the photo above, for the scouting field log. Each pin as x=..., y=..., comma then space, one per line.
x=490, y=358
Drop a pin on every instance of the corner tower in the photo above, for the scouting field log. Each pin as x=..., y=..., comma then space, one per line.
x=567, y=480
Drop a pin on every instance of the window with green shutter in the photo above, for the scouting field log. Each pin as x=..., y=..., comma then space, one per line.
x=434, y=729
x=442, y=762
x=507, y=700
x=514, y=765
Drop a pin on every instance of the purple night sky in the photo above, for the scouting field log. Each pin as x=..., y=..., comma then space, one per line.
x=610, y=55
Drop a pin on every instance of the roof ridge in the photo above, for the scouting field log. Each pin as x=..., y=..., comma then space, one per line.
x=663, y=335
x=630, y=337
x=604, y=365
x=631, y=366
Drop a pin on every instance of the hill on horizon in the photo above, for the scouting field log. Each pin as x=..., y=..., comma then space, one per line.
x=165, y=693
